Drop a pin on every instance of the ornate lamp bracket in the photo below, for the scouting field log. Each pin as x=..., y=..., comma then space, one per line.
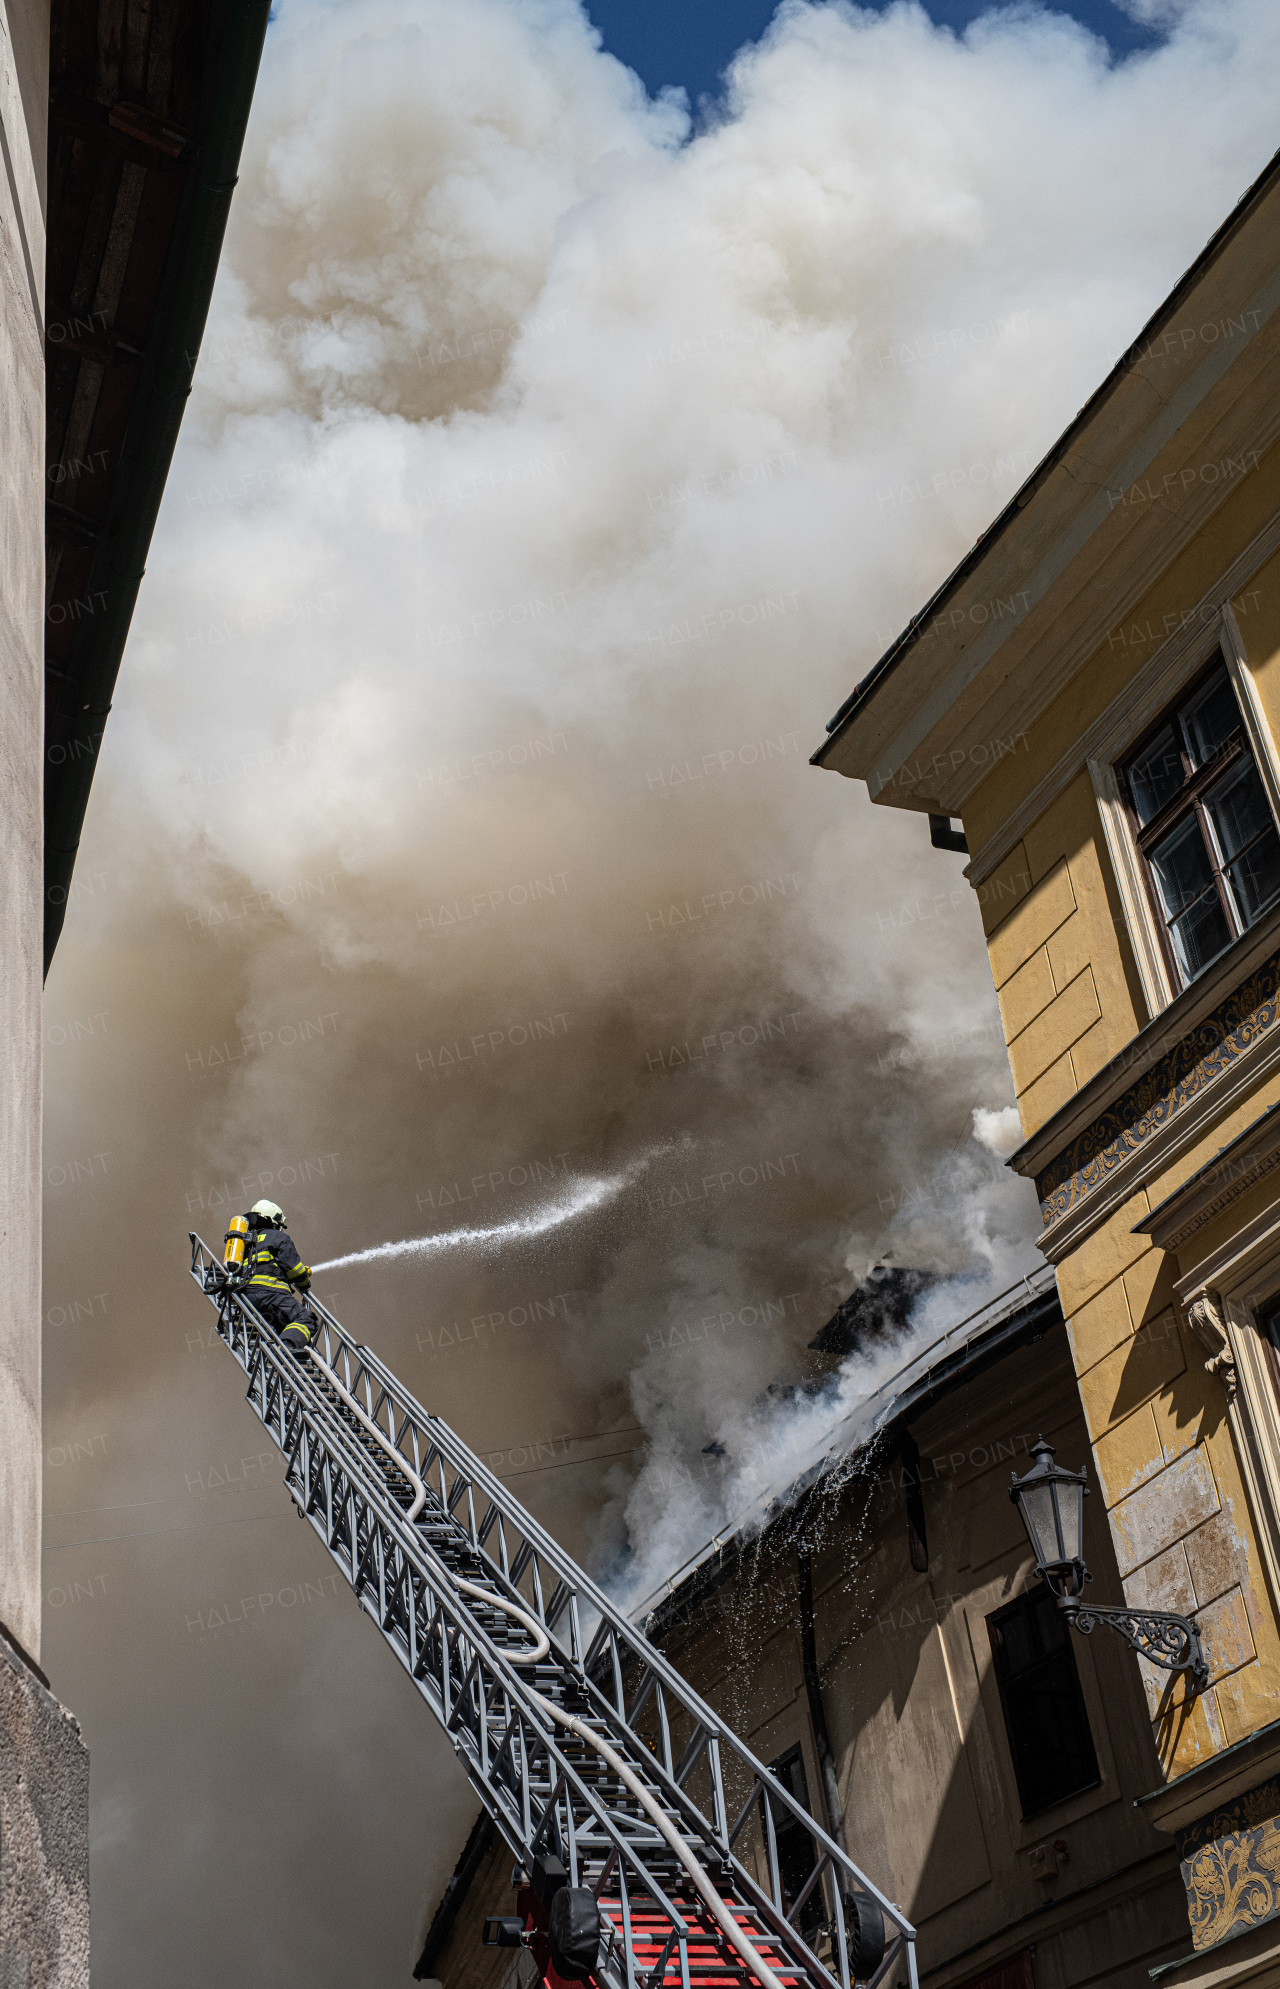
x=1206, y=1320
x=1165, y=1638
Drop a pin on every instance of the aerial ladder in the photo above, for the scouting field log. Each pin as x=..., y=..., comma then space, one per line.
x=644, y=1833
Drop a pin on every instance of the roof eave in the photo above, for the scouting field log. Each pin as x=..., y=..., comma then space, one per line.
x=968, y=566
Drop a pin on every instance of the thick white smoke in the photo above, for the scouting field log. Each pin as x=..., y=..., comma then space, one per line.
x=552, y=473
x=534, y=435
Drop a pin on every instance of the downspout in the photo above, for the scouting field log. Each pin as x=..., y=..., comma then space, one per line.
x=817, y=1711
x=236, y=31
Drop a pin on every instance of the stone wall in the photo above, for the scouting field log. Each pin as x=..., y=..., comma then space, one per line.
x=44, y=1835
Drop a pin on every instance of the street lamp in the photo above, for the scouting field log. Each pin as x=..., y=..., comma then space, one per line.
x=1051, y=1502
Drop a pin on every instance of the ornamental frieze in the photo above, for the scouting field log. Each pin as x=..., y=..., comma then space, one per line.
x=1164, y=1090
x=1231, y=1866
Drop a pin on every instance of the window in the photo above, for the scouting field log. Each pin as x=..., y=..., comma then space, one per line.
x=1203, y=826
x=1044, y=1713
x=795, y=1846
x=1268, y=1317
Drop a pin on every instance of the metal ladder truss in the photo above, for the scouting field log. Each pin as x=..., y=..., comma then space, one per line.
x=409, y=1513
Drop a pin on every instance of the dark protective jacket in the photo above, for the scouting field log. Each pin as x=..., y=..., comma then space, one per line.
x=273, y=1262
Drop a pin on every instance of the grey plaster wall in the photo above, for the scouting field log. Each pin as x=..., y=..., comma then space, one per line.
x=24, y=66
x=44, y=1836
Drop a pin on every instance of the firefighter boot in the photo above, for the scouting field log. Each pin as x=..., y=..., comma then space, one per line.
x=297, y=1339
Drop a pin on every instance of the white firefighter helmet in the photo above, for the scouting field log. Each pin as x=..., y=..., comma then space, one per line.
x=271, y=1210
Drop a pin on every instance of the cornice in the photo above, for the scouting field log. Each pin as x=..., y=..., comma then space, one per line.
x=1139, y=690
x=1217, y=1781
x=1213, y=1187
x=1025, y=689
x=1156, y=1146
x=1156, y=1040
x=926, y=735
x=1213, y=264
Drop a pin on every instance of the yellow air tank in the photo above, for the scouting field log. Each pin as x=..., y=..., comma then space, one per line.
x=237, y=1238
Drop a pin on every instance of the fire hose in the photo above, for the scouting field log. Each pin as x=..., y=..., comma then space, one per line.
x=630, y=1780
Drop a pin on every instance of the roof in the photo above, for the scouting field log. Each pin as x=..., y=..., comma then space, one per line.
x=149, y=100
x=1023, y=1312
x=861, y=693
x=472, y=1856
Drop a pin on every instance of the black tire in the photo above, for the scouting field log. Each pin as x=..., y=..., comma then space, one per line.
x=864, y=1922
x=574, y=1932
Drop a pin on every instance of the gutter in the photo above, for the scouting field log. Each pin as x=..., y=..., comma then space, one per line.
x=233, y=50
x=1044, y=470
x=715, y=1562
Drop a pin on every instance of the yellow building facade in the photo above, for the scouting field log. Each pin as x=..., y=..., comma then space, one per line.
x=1094, y=695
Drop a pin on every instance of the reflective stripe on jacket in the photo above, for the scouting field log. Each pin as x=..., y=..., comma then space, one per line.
x=273, y=1261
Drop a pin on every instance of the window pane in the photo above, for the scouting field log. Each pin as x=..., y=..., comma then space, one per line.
x=1200, y=934
x=1238, y=810
x=1155, y=774
x=1181, y=866
x=1051, y=1741
x=1045, y=1718
x=790, y=1772
x=1210, y=717
x=1255, y=877
x=1017, y=1647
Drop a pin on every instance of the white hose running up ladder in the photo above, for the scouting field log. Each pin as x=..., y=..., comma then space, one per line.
x=542, y=1642
x=419, y=1488
x=653, y=1810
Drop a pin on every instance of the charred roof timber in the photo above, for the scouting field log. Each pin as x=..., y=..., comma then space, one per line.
x=149, y=104
x=1017, y=1318
x=875, y=1310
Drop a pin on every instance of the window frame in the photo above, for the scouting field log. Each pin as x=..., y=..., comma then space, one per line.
x=1024, y=1603
x=1244, y=1272
x=1144, y=703
x=1188, y=802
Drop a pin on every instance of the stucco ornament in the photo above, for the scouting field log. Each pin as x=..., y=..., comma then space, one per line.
x=1205, y=1317
x=1231, y=1867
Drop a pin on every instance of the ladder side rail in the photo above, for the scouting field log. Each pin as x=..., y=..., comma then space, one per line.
x=288, y=1378
x=467, y=1465
x=463, y=1459
x=281, y=1376
x=376, y=1572
x=472, y=1738
x=416, y=1556
x=415, y=1546
x=390, y=1545
x=473, y=1473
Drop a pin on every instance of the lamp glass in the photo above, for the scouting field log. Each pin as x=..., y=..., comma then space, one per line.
x=1070, y=1504
x=1038, y=1503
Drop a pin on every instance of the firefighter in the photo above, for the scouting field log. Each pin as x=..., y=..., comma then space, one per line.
x=277, y=1275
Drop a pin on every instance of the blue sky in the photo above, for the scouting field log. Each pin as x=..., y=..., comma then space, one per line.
x=690, y=41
